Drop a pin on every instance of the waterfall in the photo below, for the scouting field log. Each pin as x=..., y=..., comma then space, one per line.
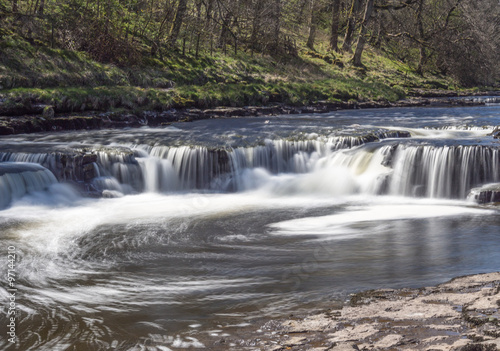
x=18, y=179
x=166, y=168
x=118, y=170
x=342, y=164
x=442, y=172
x=66, y=165
x=415, y=170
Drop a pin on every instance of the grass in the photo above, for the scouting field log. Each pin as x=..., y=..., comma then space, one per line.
x=72, y=82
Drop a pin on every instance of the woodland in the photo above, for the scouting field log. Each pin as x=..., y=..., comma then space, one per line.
x=238, y=52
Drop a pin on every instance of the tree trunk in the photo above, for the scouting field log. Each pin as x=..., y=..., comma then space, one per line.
x=376, y=39
x=35, y=7
x=277, y=26
x=224, y=30
x=313, y=26
x=256, y=24
x=351, y=26
x=362, y=34
x=334, y=33
x=41, y=8
x=199, y=28
x=176, y=25
x=421, y=35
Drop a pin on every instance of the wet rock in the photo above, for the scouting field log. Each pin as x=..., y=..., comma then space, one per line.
x=496, y=133
x=486, y=194
x=479, y=347
x=318, y=323
x=295, y=341
x=111, y=194
x=20, y=108
x=76, y=123
x=344, y=346
x=31, y=116
x=225, y=112
x=462, y=314
x=35, y=124
x=5, y=130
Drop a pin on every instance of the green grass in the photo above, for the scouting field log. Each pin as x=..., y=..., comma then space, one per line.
x=72, y=82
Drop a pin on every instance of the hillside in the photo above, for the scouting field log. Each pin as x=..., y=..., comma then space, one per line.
x=55, y=61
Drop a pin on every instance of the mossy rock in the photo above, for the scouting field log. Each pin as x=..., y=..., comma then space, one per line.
x=48, y=112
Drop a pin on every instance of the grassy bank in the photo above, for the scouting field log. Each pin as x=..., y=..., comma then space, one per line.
x=71, y=82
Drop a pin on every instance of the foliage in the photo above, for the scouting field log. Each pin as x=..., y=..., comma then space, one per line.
x=159, y=43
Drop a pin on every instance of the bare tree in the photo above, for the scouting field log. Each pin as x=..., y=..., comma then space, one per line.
x=277, y=26
x=313, y=23
x=362, y=34
x=421, y=36
x=256, y=24
x=334, y=29
x=176, y=25
x=41, y=8
x=351, y=26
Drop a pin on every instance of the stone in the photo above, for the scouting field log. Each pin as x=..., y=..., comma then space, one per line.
x=4, y=130
x=461, y=314
x=294, y=341
x=48, y=112
x=345, y=346
x=496, y=133
x=486, y=194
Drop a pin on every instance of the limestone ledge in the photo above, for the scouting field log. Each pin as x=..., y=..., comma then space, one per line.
x=34, y=117
x=462, y=314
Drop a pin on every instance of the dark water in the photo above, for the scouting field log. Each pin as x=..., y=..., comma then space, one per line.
x=192, y=249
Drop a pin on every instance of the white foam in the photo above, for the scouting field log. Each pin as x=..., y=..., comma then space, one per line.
x=340, y=224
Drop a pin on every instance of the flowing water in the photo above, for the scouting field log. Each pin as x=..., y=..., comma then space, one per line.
x=205, y=227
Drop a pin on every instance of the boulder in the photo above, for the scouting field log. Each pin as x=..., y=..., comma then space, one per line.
x=496, y=133
x=48, y=112
x=486, y=194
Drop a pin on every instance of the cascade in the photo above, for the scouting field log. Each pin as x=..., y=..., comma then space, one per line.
x=68, y=165
x=361, y=165
x=166, y=168
x=416, y=170
x=18, y=179
x=442, y=172
x=118, y=170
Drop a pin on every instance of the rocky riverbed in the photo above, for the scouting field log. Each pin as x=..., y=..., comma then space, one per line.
x=33, y=117
x=462, y=314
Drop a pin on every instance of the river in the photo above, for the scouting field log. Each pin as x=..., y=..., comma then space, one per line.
x=204, y=227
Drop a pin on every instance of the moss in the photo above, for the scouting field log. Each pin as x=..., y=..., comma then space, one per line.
x=71, y=81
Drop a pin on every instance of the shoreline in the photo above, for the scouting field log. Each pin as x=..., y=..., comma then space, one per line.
x=34, y=118
x=461, y=314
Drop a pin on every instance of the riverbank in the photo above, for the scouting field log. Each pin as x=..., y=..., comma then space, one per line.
x=48, y=89
x=462, y=314
x=34, y=117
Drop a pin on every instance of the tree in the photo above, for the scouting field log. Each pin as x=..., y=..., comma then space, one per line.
x=351, y=26
x=176, y=25
x=257, y=14
x=460, y=38
x=362, y=34
x=313, y=24
x=421, y=36
x=334, y=29
x=277, y=27
x=470, y=46
x=41, y=8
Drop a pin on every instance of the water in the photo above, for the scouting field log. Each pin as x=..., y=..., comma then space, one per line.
x=208, y=226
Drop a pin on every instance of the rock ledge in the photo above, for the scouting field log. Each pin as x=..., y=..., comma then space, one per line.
x=462, y=314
